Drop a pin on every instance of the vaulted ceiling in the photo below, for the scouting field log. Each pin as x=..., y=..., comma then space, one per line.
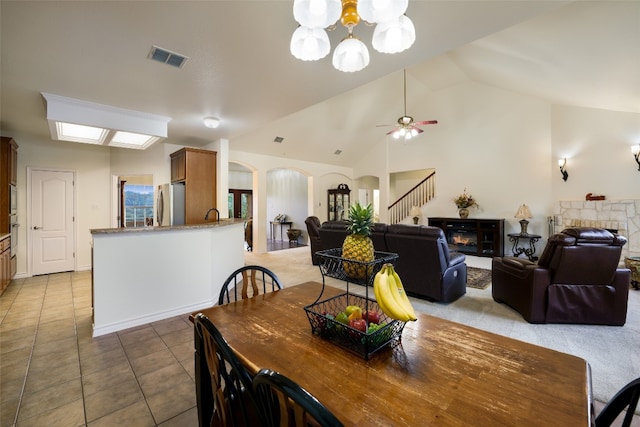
x=240, y=69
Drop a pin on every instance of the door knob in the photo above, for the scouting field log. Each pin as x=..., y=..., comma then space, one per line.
x=36, y=228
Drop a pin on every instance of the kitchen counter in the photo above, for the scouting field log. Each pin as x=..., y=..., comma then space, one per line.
x=212, y=224
x=142, y=275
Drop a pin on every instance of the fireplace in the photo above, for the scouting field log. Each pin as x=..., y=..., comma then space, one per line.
x=463, y=240
x=620, y=215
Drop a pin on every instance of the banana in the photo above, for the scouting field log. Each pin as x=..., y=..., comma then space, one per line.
x=397, y=303
x=384, y=295
x=406, y=303
x=377, y=285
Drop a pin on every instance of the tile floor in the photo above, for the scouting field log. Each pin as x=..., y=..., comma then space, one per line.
x=53, y=373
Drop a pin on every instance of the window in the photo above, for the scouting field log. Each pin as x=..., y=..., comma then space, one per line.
x=138, y=205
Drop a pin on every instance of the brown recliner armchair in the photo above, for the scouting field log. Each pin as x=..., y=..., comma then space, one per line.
x=576, y=280
x=313, y=230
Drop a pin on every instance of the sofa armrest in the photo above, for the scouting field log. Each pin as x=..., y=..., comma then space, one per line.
x=456, y=258
x=519, y=264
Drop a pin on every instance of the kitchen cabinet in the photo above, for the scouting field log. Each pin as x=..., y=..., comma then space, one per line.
x=195, y=169
x=338, y=203
x=5, y=263
x=8, y=177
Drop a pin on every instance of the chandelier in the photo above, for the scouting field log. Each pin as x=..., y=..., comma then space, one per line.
x=394, y=31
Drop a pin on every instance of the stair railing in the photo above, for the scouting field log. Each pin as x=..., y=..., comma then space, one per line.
x=419, y=195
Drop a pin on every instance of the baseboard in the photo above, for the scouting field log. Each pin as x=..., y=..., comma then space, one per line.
x=131, y=323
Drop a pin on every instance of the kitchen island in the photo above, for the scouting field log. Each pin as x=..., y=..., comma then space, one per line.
x=142, y=275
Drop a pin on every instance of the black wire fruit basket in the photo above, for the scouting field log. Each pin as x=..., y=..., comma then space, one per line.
x=323, y=315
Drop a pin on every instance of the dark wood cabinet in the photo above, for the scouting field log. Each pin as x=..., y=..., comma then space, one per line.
x=479, y=237
x=338, y=203
x=196, y=170
x=8, y=177
x=5, y=263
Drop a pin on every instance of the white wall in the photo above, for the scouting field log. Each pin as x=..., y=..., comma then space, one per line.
x=597, y=145
x=287, y=194
x=493, y=142
x=500, y=145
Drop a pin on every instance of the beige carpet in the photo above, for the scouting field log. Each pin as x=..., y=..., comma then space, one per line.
x=478, y=278
x=611, y=351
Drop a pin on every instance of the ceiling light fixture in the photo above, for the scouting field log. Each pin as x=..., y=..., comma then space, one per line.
x=211, y=122
x=75, y=120
x=394, y=31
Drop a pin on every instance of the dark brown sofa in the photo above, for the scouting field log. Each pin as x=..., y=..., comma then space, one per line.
x=576, y=280
x=427, y=268
x=313, y=230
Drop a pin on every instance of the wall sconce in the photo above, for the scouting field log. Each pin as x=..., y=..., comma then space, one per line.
x=563, y=163
x=635, y=150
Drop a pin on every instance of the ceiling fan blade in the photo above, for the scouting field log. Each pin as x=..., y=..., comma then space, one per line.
x=379, y=126
x=417, y=129
x=427, y=122
x=391, y=131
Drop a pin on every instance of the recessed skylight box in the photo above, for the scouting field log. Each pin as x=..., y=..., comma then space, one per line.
x=81, y=133
x=132, y=140
x=81, y=121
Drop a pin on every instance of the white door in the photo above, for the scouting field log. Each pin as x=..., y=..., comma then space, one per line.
x=51, y=223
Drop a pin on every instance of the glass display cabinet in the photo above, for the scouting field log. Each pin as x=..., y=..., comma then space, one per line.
x=338, y=203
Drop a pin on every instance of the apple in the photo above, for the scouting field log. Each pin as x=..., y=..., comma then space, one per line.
x=359, y=324
x=371, y=316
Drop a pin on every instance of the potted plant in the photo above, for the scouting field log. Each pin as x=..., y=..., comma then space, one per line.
x=463, y=202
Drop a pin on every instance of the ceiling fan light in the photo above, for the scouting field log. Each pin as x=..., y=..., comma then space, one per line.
x=396, y=135
x=413, y=133
x=394, y=36
x=317, y=13
x=350, y=55
x=310, y=44
x=376, y=11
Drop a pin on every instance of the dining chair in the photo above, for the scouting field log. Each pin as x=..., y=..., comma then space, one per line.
x=234, y=400
x=627, y=397
x=258, y=274
x=284, y=403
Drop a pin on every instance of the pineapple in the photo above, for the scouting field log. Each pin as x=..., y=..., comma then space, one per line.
x=358, y=245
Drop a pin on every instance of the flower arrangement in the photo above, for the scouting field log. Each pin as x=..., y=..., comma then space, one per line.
x=465, y=200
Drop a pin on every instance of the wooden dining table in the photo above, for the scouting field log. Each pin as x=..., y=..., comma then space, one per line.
x=440, y=373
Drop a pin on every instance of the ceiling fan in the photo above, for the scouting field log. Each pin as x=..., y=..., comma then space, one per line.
x=405, y=126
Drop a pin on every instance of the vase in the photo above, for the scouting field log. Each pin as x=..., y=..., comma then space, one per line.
x=463, y=212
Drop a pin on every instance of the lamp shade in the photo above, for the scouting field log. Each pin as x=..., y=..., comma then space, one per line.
x=394, y=36
x=317, y=13
x=310, y=44
x=523, y=212
x=376, y=11
x=415, y=211
x=350, y=55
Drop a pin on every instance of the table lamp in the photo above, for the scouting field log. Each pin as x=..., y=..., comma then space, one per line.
x=416, y=213
x=523, y=213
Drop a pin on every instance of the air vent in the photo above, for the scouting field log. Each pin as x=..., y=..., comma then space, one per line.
x=278, y=139
x=167, y=57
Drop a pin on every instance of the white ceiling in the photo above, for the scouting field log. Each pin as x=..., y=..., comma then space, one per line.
x=240, y=69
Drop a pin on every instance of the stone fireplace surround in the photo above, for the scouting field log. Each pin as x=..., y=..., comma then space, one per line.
x=621, y=215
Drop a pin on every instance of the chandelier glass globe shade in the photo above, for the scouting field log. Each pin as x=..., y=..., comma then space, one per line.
x=310, y=44
x=350, y=55
x=394, y=36
x=376, y=11
x=317, y=13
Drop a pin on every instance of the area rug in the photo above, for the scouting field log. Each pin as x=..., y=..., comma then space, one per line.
x=478, y=278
